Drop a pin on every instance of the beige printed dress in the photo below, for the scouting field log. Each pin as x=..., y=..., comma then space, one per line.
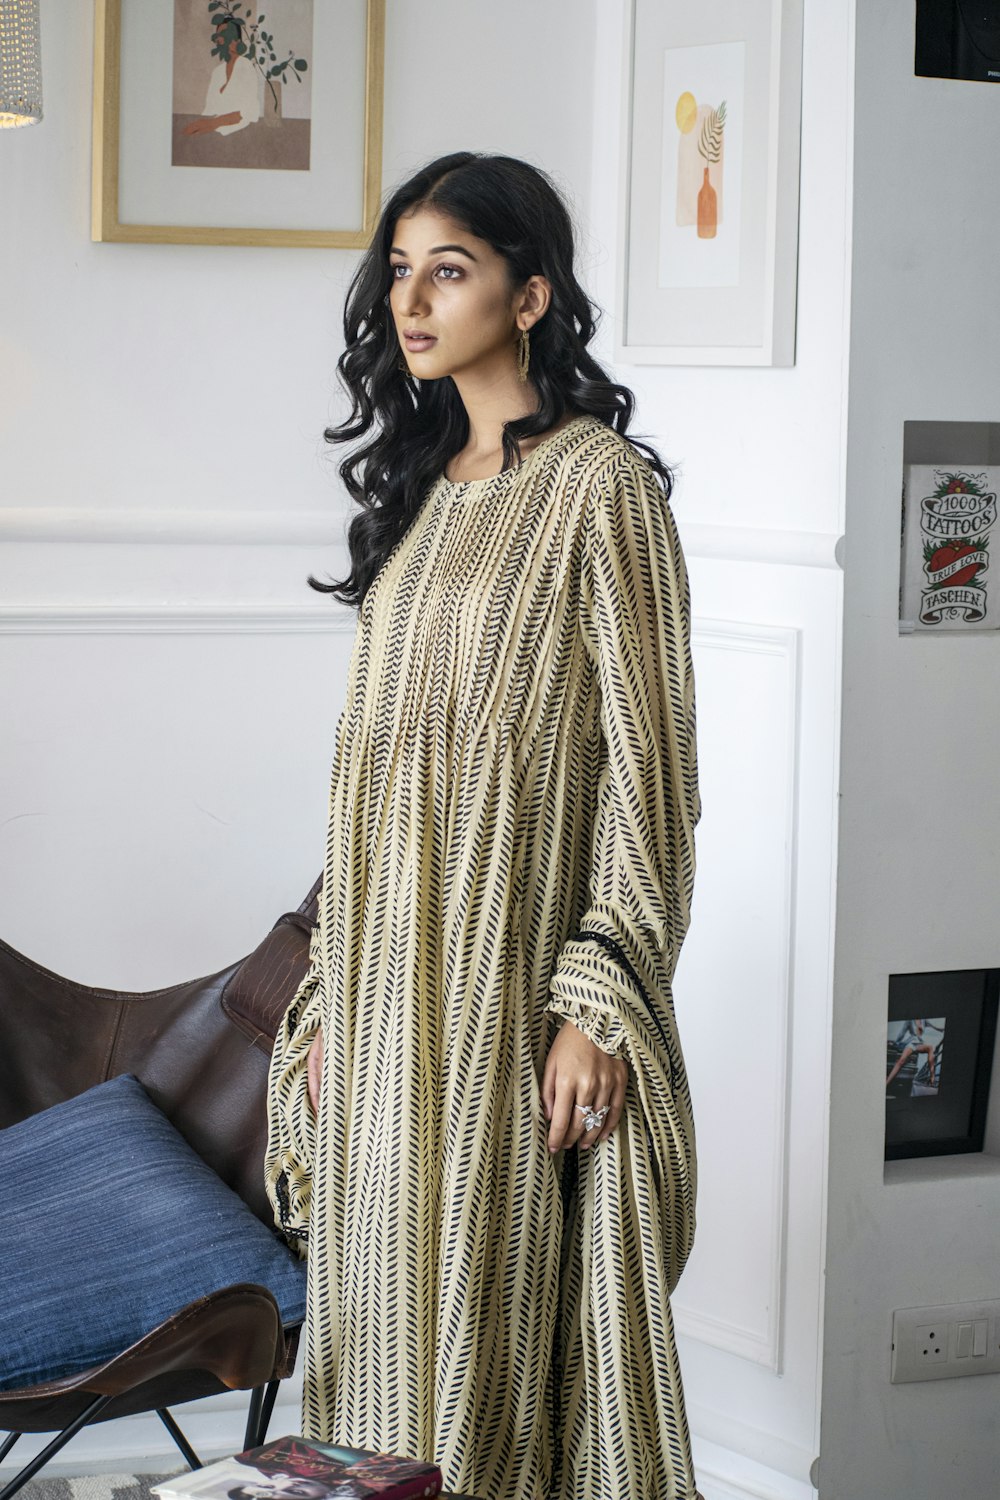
x=511, y=842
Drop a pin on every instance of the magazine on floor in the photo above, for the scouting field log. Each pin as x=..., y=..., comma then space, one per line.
x=297, y=1468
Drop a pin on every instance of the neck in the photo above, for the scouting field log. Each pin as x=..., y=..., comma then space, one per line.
x=489, y=403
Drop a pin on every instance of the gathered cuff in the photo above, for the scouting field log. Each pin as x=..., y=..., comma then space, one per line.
x=598, y=1026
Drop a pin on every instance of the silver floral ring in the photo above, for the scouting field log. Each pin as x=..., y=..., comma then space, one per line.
x=593, y=1118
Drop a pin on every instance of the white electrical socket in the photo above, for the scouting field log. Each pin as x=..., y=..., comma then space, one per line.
x=931, y=1343
x=940, y=1343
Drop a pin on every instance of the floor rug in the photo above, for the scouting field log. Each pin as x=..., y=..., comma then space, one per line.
x=92, y=1487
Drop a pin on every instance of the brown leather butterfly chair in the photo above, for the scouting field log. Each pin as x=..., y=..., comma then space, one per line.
x=201, y=1051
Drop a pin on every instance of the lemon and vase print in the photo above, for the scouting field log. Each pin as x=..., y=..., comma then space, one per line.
x=701, y=187
x=703, y=130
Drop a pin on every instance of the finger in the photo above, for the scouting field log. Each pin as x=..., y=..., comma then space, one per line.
x=549, y=1088
x=591, y=1099
x=617, y=1105
x=563, y=1131
x=576, y=1131
x=314, y=1069
x=591, y=1137
x=613, y=1096
x=581, y=1135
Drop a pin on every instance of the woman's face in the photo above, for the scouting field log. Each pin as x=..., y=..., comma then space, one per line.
x=289, y=1487
x=451, y=299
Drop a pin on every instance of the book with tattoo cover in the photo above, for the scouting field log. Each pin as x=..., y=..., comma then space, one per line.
x=298, y=1468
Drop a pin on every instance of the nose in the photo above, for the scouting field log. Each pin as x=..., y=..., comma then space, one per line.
x=411, y=296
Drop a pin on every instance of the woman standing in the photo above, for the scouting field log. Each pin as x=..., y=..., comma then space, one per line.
x=478, y=1107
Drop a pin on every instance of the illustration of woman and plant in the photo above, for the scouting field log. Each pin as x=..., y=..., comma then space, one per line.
x=248, y=64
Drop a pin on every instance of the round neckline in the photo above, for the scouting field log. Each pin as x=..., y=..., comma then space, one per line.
x=523, y=466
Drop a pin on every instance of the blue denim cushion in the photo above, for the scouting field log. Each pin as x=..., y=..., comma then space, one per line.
x=110, y=1223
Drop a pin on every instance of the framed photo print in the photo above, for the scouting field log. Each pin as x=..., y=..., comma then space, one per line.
x=710, y=220
x=940, y=1035
x=956, y=39
x=238, y=122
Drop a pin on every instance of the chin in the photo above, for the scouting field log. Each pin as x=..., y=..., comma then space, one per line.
x=433, y=373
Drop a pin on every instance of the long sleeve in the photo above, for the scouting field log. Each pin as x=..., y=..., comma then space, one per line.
x=291, y=1124
x=619, y=963
x=635, y=618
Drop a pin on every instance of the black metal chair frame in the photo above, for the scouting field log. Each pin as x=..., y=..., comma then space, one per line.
x=262, y=1399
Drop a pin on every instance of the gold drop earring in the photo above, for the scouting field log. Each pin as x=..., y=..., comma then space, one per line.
x=523, y=356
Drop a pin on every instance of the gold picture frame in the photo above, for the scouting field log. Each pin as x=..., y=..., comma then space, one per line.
x=107, y=147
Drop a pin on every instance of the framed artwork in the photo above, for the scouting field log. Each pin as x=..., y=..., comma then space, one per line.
x=940, y=1036
x=233, y=122
x=710, y=183
x=949, y=520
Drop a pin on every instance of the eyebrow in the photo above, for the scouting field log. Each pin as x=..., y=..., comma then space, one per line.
x=435, y=250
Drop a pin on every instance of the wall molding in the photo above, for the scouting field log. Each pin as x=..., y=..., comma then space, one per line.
x=724, y=1334
x=725, y=1471
x=766, y=1348
x=282, y=528
x=94, y=523
x=177, y=619
x=761, y=544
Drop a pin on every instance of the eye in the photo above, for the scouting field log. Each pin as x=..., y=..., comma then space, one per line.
x=395, y=267
x=454, y=272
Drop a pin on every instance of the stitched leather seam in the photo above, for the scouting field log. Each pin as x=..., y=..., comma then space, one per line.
x=113, y=1043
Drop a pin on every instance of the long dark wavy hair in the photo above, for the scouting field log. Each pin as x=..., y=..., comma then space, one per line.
x=410, y=427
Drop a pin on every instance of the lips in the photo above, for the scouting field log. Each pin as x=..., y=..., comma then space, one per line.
x=416, y=342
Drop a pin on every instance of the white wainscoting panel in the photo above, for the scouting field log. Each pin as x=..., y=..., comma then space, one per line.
x=736, y=1044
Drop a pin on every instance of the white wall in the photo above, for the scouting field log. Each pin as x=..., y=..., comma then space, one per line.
x=920, y=724
x=170, y=698
x=759, y=500
x=194, y=734
x=139, y=397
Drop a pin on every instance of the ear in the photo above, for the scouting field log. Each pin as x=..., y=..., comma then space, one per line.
x=534, y=301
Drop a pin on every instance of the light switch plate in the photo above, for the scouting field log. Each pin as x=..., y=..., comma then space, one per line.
x=930, y=1343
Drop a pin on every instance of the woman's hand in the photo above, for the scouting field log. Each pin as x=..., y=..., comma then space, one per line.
x=579, y=1072
x=314, y=1069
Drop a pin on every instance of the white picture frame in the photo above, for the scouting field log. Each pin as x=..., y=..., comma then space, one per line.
x=713, y=284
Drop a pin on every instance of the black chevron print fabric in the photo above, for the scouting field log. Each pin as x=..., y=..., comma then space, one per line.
x=511, y=843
